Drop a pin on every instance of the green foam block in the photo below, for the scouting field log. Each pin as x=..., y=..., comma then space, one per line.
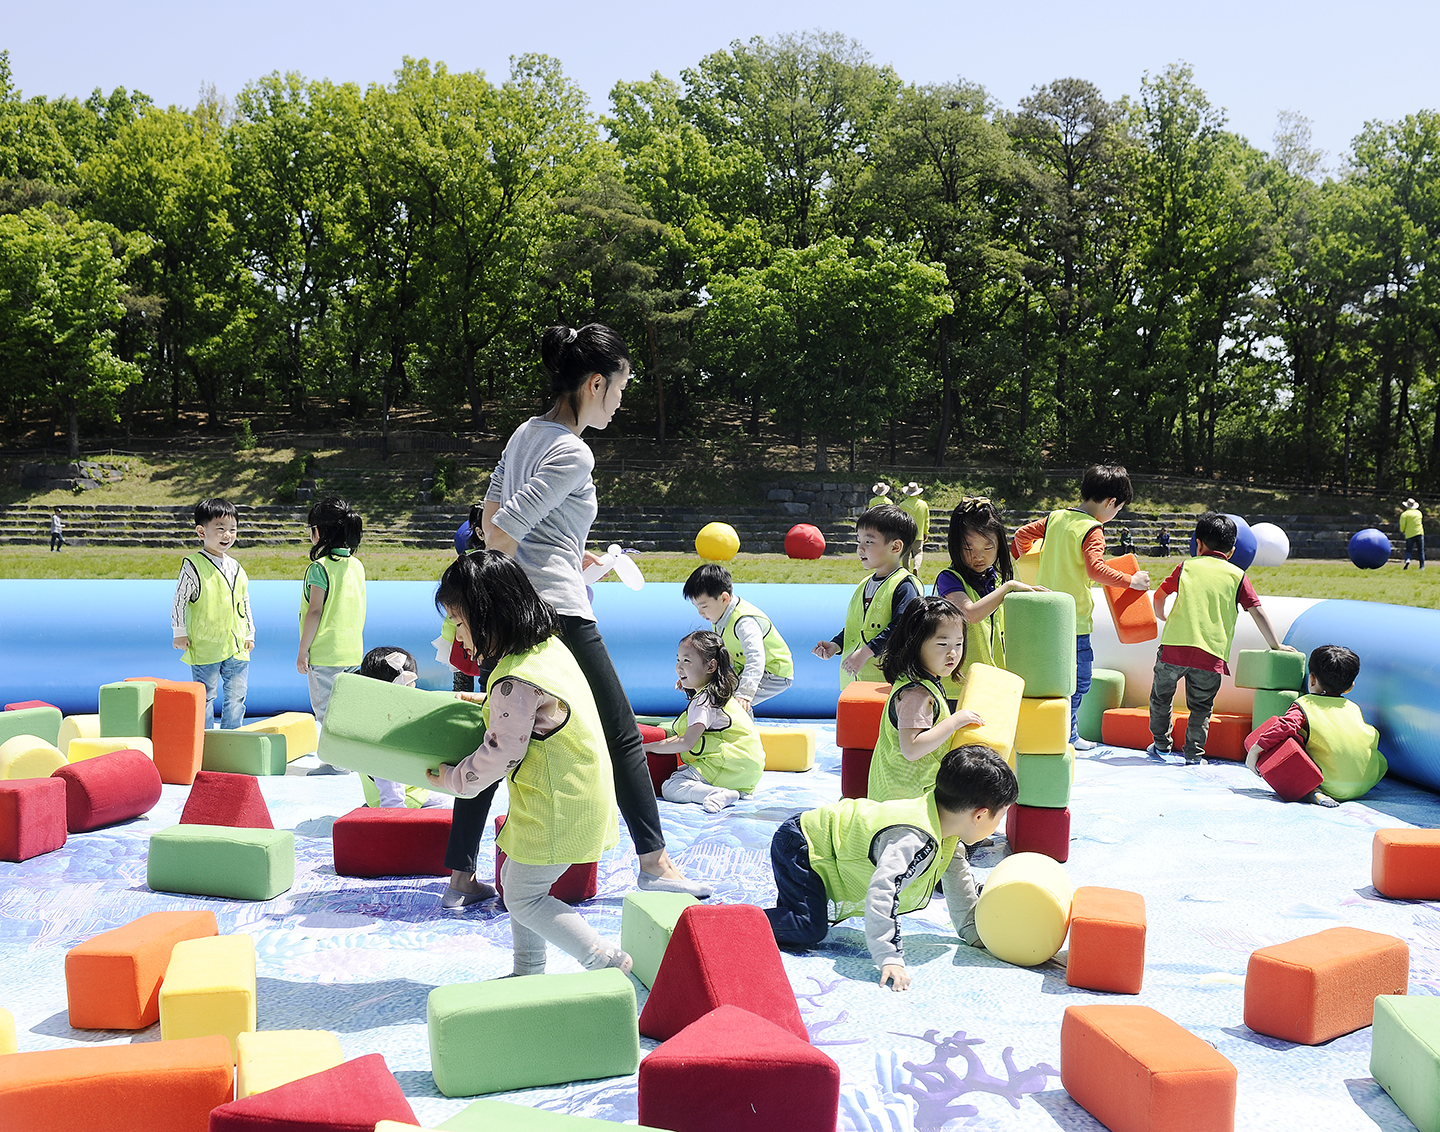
x=1274, y=669
x=1040, y=642
x=222, y=860
x=1270, y=703
x=520, y=1033
x=391, y=731
x=126, y=708
x=244, y=752
x=501, y=1116
x=42, y=722
x=1107, y=690
x=1045, y=780
x=1405, y=1055
x=646, y=924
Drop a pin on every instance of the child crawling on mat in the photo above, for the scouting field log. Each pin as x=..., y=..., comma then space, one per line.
x=882, y=859
x=1331, y=728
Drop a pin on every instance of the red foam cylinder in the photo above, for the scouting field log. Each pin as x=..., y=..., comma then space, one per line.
x=661, y=767
x=108, y=789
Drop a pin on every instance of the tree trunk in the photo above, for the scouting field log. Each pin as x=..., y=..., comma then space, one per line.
x=945, y=407
x=74, y=415
x=822, y=457
x=472, y=387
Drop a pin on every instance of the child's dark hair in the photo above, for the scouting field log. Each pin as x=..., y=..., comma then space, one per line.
x=889, y=522
x=573, y=355
x=979, y=517
x=499, y=605
x=974, y=778
x=339, y=525
x=1216, y=531
x=476, y=538
x=1106, y=481
x=919, y=621
x=1335, y=668
x=709, y=580
x=711, y=648
x=208, y=510
x=379, y=663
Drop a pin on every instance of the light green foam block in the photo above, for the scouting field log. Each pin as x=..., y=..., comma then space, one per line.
x=1040, y=642
x=1274, y=669
x=1405, y=1055
x=1045, y=780
x=126, y=708
x=244, y=752
x=646, y=924
x=42, y=722
x=1107, y=690
x=222, y=860
x=1270, y=703
x=501, y=1116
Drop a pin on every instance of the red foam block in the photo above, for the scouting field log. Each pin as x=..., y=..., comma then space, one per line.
x=107, y=789
x=399, y=842
x=577, y=884
x=23, y=704
x=1291, y=773
x=855, y=772
x=1038, y=829
x=218, y=798
x=32, y=817
x=660, y=767
x=355, y=1095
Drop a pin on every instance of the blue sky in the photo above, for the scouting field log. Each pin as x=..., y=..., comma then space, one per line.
x=1339, y=64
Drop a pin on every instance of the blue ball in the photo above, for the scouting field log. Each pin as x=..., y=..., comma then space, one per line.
x=1369, y=549
x=462, y=536
x=1246, y=544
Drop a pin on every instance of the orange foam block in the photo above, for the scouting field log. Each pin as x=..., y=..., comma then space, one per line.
x=857, y=715
x=177, y=730
x=1320, y=986
x=1131, y=610
x=1405, y=863
x=112, y=980
x=1107, y=940
x=1130, y=727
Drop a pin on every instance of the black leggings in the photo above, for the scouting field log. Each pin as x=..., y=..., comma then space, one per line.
x=633, y=789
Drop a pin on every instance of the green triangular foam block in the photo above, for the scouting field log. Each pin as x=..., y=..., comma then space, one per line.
x=646, y=924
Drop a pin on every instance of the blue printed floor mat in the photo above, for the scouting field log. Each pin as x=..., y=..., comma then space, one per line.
x=1224, y=868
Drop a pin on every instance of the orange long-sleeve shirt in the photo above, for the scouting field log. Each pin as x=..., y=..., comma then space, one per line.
x=1093, y=549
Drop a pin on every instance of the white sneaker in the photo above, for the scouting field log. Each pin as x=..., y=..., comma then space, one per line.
x=1084, y=744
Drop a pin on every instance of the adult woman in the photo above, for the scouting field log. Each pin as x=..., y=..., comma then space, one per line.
x=538, y=510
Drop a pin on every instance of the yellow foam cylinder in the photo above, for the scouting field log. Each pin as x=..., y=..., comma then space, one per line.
x=788, y=748
x=209, y=988
x=1024, y=912
x=77, y=727
x=87, y=748
x=718, y=542
x=994, y=695
x=28, y=756
x=1043, y=727
x=267, y=1058
x=298, y=727
x=1027, y=566
x=8, y=1043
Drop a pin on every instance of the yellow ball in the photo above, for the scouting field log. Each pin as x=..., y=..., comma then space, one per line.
x=718, y=542
x=1024, y=912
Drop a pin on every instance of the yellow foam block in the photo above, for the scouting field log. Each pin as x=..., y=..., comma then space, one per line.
x=28, y=756
x=298, y=727
x=209, y=988
x=77, y=727
x=7, y=1032
x=86, y=748
x=1043, y=727
x=267, y=1058
x=1027, y=566
x=788, y=748
x=1024, y=912
x=995, y=695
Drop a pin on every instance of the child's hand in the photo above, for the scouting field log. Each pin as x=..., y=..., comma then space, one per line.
x=744, y=702
x=825, y=649
x=1286, y=648
x=856, y=660
x=434, y=779
x=302, y=664
x=471, y=697
x=1140, y=581
x=182, y=642
x=250, y=644
x=896, y=975
x=967, y=718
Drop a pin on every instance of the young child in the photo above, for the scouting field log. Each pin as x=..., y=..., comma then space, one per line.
x=715, y=737
x=332, y=605
x=882, y=536
x=210, y=618
x=543, y=733
x=1199, y=632
x=394, y=665
x=916, y=728
x=1330, y=728
x=882, y=859
x=758, y=652
x=1073, y=556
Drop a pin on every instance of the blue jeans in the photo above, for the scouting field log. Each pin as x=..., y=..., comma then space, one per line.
x=236, y=676
x=1084, y=664
x=802, y=915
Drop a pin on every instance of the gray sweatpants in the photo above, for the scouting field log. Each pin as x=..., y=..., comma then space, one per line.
x=321, y=678
x=537, y=917
x=770, y=685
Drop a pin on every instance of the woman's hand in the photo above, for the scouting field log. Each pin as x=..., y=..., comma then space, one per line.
x=588, y=559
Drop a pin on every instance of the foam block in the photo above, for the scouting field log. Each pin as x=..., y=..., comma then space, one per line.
x=1027, y=565
x=1034, y=829
x=1024, y=912
x=733, y=1070
x=1320, y=986
x=995, y=695
x=1405, y=1055
x=84, y=748
x=1107, y=940
x=577, y=884
x=37, y=719
x=158, y=1086
x=1130, y=727
x=858, y=713
x=28, y=756
x=1130, y=610
x=720, y=955
x=112, y=980
x=788, y=748
x=178, y=730
x=1405, y=863
x=855, y=771
x=8, y=1043
x=1135, y=1070
x=351, y=1097
x=1290, y=771
x=209, y=988
x=266, y=1059
x=298, y=727
x=1275, y=669
x=660, y=767
x=506, y=1034
x=243, y=752
x=1043, y=727
x=29, y=704
x=646, y=924
x=1045, y=779
x=217, y=860
x=127, y=708
x=372, y=842
x=1268, y=704
x=109, y=789
x=1107, y=690
x=502, y=1116
x=32, y=818
x=391, y=731
x=217, y=798
x=76, y=727
x=1040, y=642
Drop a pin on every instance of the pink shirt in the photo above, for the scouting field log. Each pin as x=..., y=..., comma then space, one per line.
x=519, y=711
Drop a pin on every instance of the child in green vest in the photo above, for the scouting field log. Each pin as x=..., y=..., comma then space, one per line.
x=543, y=735
x=758, y=652
x=394, y=665
x=1073, y=556
x=883, y=536
x=882, y=859
x=332, y=605
x=714, y=737
x=1331, y=728
x=210, y=617
x=1199, y=631
x=917, y=726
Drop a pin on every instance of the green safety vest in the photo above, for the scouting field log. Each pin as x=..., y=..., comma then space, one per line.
x=339, y=642
x=864, y=622
x=892, y=775
x=215, y=620
x=1206, y=608
x=1343, y=746
x=415, y=796
x=1062, y=562
x=562, y=795
x=841, y=838
x=731, y=756
x=778, y=661
x=984, y=640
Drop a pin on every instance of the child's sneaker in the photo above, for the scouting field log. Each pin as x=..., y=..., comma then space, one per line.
x=1321, y=799
x=1193, y=760
x=1155, y=753
x=1084, y=744
x=603, y=957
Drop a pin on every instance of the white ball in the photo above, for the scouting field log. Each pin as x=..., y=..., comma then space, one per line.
x=1272, y=546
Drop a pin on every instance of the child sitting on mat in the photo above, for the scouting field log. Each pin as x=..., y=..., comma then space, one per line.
x=394, y=665
x=1331, y=728
x=758, y=652
x=714, y=737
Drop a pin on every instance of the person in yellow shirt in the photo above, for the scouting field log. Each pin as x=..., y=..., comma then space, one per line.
x=1412, y=529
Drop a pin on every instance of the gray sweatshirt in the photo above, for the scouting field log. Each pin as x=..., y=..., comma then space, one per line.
x=901, y=854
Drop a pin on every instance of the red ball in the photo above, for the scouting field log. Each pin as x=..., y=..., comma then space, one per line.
x=804, y=541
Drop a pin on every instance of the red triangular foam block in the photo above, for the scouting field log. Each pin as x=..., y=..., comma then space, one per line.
x=352, y=1097
x=217, y=798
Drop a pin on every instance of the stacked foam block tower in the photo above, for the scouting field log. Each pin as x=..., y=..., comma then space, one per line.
x=1278, y=678
x=1107, y=690
x=857, y=727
